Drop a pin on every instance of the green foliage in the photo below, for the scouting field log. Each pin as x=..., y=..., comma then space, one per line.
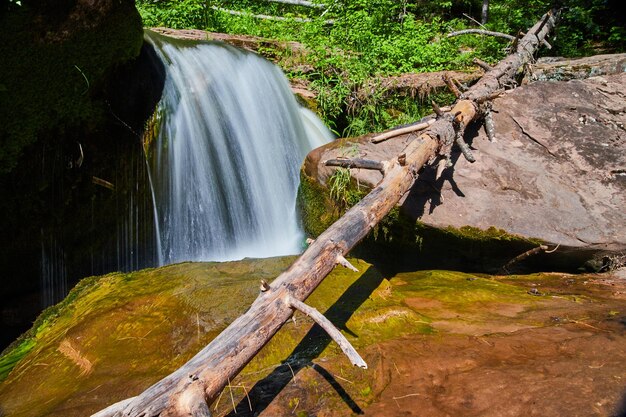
x=339, y=183
x=376, y=38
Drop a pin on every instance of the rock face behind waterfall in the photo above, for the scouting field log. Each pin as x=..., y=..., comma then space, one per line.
x=68, y=109
x=555, y=174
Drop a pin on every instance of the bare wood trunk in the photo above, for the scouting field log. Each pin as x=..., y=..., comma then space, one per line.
x=484, y=16
x=268, y=17
x=209, y=371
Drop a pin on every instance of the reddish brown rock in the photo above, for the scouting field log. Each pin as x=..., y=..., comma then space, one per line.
x=556, y=171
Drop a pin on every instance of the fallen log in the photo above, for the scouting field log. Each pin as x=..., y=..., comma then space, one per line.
x=268, y=17
x=198, y=382
x=562, y=69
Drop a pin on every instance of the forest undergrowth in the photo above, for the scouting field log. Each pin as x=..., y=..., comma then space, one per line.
x=352, y=43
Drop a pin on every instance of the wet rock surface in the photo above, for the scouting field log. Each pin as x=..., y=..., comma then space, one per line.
x=555, y=172
x=437, y=343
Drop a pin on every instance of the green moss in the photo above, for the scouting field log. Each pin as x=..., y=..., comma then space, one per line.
x=317, y=210
x=409, y=243
x=135, y=328
x=459, y=289
x=16, y=353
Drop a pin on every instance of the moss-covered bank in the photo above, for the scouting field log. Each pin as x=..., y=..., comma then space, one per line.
x=405, y=243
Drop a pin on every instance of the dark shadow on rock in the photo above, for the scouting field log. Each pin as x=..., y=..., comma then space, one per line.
x=338, y=388
x=620, y=410
x=428, y=189
x=311, y=346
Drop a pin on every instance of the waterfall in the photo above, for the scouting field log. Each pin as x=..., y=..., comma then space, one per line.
x=225, y=161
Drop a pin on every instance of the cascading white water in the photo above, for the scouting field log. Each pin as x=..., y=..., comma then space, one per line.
x=226, y=160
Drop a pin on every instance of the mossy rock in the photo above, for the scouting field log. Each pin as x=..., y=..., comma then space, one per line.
x=117, y=334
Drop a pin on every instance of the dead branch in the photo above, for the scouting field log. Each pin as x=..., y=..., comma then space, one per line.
x=527, y=254
x=268, y=17
x=451, y=85
x=482, y=64
x=332, y=331
x=481, y=32
x=303, y=3
x=356, y=163
x=402, y=131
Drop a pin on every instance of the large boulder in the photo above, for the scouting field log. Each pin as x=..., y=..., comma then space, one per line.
x=555, y=174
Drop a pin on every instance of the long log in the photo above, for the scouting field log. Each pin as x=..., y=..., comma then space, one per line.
x=209, y=371
x=268, y=17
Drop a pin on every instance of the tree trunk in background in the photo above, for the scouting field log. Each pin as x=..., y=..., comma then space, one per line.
x=485, y=12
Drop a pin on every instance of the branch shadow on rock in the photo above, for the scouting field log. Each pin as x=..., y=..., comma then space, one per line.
x=427, y=187
x=311, y=346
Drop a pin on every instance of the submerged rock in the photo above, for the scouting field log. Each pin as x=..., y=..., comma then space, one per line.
x=556, y=174
x=436, y=343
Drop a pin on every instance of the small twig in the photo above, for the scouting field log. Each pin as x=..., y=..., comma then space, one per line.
x=451, y=85
x=588, y=325
x=489, y=97
x=247, y=396
x=198, y=324
x=460, y=86
x=85, y=77
x=344, y=262
x=553, y=250
x=441, y=166
x=474, y=20
x=436, y=109
x=482, y=64
x=217, y=403
x=405, y=396
x=481, y=32
x=232, y=399
x=490, y=127
x=343, y=379
x=528, y=253
x=463, y=146
x=396, y=366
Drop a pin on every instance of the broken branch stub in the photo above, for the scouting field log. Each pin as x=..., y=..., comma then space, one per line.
x=221, y=360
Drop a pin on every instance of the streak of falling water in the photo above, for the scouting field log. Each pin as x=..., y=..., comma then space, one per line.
x=225, y=165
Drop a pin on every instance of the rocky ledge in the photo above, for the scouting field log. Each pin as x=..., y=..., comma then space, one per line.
x=437, y=343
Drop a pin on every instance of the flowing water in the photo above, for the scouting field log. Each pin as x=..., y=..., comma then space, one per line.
x=225, y=162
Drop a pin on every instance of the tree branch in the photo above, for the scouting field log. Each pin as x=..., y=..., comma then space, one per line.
x=481, y=32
